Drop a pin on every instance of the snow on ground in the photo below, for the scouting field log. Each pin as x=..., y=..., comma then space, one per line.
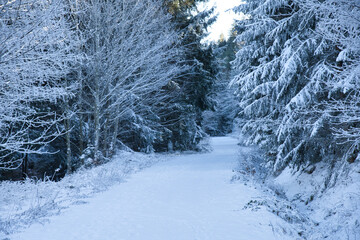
x=329, y=197
x=319, y=202
x=25, y=203
x=190, y=196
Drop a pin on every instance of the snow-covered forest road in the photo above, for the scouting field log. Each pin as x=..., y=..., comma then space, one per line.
x=188, y=197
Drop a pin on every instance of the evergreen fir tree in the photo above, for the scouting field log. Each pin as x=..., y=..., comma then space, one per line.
x=191, y=95
x=281, y=73
x=220, y=121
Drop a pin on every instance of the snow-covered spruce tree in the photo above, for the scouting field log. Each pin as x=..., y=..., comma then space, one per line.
x=220, y=121
x=190, y=92
x=282, y=73
x=36, y=54
x=132, y=51
x=340, y=26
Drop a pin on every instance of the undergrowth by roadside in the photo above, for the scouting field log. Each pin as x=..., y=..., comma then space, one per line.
x=33, y=201
x=319, y=203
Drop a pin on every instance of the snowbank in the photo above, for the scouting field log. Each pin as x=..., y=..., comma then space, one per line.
x=329, y=197
x=23, y=203
x=320, y=202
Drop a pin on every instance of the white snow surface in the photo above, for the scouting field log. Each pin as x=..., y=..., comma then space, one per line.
x=333, y=210
x=189, y=196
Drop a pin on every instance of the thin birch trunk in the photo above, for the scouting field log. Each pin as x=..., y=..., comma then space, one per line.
x=68, y=141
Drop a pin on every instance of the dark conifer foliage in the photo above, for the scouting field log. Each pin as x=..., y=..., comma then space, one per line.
x=295, y=91
x=219, y=122
x=191, y=92
x=81, y=79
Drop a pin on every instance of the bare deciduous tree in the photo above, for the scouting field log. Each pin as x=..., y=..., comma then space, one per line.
x=36, y=54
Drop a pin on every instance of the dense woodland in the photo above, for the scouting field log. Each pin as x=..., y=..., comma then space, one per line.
x=81, y=79
x=297, y=73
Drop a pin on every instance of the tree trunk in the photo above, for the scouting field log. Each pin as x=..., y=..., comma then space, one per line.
x=97, y=125
x=68, y=142
x=24, y=167
x=97, y=93
x=81, y=140
x=114, y=137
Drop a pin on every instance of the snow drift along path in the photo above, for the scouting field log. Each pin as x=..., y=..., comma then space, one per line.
x=188, y=197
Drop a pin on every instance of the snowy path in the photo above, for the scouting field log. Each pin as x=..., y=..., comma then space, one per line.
x=188, y=197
